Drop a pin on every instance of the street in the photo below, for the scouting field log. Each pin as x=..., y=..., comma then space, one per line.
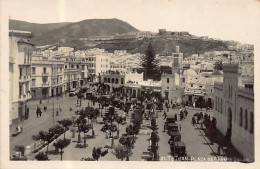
x=196, y=145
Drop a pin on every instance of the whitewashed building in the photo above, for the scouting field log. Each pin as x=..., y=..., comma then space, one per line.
x=234, y=110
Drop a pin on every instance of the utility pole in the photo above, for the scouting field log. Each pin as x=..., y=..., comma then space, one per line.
x=53, y=113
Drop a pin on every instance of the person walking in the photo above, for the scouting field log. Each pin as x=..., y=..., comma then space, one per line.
x=60, y=108
x=27, y=116
x=40, y=112
x=57, y=111
x=37, y=111
x=165, y=115
x=45, y=108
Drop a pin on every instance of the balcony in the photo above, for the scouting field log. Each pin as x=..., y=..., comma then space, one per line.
x=45, y=74
x=23, y=98
x=24, y=78
x=11, y=60
x=25, y=64
x=45, y=85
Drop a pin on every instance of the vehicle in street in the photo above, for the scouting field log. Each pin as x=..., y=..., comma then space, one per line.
x=170, y=123
x=175, y=136
x=172, y=127
x=178, y=149
x=159, y=106
x=147, y=156
x=72, y=93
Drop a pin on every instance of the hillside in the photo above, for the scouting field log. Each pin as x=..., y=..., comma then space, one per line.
x=36, y=29
x=51, y=33
x=164, y=46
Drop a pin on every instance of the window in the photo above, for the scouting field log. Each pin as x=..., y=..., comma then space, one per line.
x=168, y=80
x=65, y=66
x=167, y=87
x=113, y=80
x=218, y=104
x=108, y=80
x=183, y=80
x=246, y=120
x=191, y=85
x=241, y=117
x=44, y=70
x=21, y=72
x=105, y=80
x=20, y=90
x=215, y=102
x=221, y=106
x=44, y=80
x=122, y=80
x=251, y=122
x=231, y=92
x=116, y=80
x=33, y=82
x=60, y=69
x=33, y=70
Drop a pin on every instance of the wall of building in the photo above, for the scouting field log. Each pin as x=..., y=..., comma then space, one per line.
x=231, y=105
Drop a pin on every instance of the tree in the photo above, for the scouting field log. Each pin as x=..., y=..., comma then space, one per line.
x=20, y=148
x=218, y=65
x=41, y=157
x=97, y=153
x=46, y=137
x=65, y=123
x=61, y=144
x=150, y=64
x=122, y=152
x=80, y=96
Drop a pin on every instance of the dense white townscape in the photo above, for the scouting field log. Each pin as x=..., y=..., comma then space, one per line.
x=216, y=88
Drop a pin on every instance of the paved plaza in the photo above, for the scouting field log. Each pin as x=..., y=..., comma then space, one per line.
x=196, y=144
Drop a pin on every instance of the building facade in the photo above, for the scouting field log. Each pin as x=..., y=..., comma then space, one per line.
x=234, y=110
x=47, y=77
x=20, y=51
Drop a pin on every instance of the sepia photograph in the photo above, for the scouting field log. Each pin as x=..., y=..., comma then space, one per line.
x=109, y=80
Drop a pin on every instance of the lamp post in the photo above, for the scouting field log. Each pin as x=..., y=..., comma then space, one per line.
x=48, y=91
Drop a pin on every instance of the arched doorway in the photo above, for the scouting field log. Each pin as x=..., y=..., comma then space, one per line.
x=229, y=124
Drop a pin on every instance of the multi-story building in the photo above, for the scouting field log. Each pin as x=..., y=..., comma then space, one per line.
x=47, y=77
x=97, y=64
x=20, y=51
x=72, y=73
x=234, y=110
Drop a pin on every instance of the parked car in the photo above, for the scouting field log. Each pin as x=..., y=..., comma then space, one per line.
x=178, y=149
x=175, y=136
x=170, y=123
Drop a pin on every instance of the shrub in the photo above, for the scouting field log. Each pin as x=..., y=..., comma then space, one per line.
x=41, y=157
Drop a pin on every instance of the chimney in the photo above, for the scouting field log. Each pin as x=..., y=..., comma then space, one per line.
x=177, y=49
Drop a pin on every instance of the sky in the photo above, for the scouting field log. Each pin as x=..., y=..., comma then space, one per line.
x=224, y=19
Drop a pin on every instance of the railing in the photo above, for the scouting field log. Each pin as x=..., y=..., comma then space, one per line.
x=25, y=78
x=45, y=84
